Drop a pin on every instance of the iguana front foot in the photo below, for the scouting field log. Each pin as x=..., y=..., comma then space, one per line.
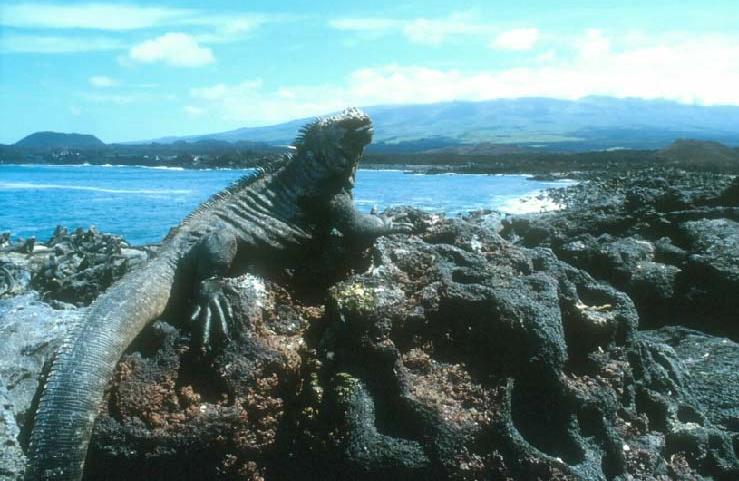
x=212, y=316
x=393, y=227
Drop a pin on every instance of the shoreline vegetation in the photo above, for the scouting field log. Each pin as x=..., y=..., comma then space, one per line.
x=479, y=159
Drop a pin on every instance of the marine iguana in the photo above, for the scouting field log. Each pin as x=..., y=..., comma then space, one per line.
x=309, y=194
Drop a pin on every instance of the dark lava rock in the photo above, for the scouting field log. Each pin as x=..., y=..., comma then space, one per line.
x=709, y=282
x=83, y=265
x=652, y=287
x=454, y=354
x=176, y=414
x=710, y=363
x=612, y=259
x=72, y=268
x=668, y=238
x=705, y=425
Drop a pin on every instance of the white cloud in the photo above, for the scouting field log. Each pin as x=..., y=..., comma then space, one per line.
x=428, y=31
x=121, y=17
x=29, y=18
x=548, y=56
x=594, y=44
x=229, y=28
x=177, y=49
x=249, y=102
x=108, y=98
x=21, y=43
x=96, y=16
x=206, y=27
x=434, y=32
x=516, y=39
x=126, y=97
x=193, y=111
x=682, y=69
x=365, y=24
x=102, y=81
x=222, y=91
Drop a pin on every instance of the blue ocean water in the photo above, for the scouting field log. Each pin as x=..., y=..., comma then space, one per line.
x=142, y=203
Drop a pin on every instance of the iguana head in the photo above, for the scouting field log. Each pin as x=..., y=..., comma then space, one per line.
x=336, y=142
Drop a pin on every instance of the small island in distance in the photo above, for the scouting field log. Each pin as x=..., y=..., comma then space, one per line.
x=58, y=140
x=528, y=135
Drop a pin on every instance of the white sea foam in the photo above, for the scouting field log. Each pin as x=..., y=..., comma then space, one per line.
x=530, y=204
x=161, y=167
x=32, y=186
x=384, y=170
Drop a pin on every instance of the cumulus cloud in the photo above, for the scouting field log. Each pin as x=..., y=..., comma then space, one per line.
x=176, y=49
x=516, y=39
x=102, y=81
x=682, y=69
x=685, y=70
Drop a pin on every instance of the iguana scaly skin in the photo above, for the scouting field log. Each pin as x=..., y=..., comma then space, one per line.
x=270, y=215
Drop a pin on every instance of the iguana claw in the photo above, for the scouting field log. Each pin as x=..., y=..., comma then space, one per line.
x=212, y=316
x=396, y=227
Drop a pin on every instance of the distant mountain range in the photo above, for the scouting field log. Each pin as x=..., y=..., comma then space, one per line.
x=591, y=123
x=486, y=127
x=58, y=140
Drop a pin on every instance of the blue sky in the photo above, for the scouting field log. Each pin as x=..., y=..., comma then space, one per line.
x=133, y=71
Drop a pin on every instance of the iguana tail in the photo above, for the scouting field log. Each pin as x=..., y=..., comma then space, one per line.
x=83, y=366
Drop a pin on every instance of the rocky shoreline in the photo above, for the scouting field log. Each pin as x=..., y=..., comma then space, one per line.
x=595, y=342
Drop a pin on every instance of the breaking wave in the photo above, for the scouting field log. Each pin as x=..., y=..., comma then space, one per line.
x=32, y=186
